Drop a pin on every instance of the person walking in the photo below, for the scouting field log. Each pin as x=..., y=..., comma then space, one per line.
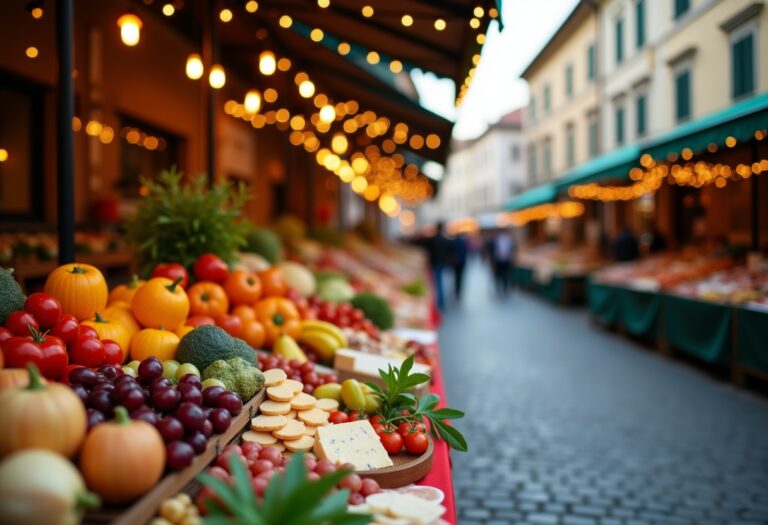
x=503, y=251
x=439, y=250
x=460, y=252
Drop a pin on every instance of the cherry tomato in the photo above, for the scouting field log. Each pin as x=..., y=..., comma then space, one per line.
x=67, y=328
x=172, y=271
x=338, y=417
x=199, y=320
x=5, y=334
x=19, y=322
x=377, y=419
x=88, y=331
x=87, y=351
x=48, y=352
x=378, y=428
x=231, y=323
x=357, y=315
x=113, y=354
x=392, y=441
x=404, y=428
x=355, y=415
x=211, y=267
x=416, y=443
x=45, y=308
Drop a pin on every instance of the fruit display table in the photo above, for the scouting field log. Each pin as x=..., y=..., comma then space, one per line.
x=751, y=334
x=559, y=288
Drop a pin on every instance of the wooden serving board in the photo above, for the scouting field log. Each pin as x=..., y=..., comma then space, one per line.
x=407, y=468
x=145, y=508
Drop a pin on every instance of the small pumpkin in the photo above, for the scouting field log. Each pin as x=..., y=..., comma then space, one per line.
x=122, y=459
x=125, y=292
x=80, y=288
x=207, y=298
x=161, y=302
x=183, y=330
x=15, y=378
x=154, y=342
x=115, y=330
x=41, y=415
x=121, y=311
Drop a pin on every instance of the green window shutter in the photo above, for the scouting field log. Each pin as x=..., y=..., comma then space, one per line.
x=546, y=98
x=533, y=108
x=619, y=40
x=619, y=126
x=592, y=137
x=641, y=115
x=742, y=66
x=591, y=62
x=570, y=152
x=640, y=20
x=683, y=95
x=532, y=163
x=681, y=6
x=547, y=158
x=569, y=80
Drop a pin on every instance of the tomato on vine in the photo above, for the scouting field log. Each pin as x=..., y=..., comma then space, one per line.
x=416, y=443
x=392, y=442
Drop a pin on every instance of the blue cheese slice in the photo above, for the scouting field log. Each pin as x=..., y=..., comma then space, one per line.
x=354, y=443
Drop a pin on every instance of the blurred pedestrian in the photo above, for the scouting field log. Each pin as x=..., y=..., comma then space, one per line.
x=439, y=249
x=459, y=257
x=503, y=251
x=625, y=247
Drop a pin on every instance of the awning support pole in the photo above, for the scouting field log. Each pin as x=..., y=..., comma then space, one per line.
x=65, y=112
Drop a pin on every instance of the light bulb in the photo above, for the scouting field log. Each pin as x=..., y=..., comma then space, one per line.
x=130, y=29
x=267, y=63
x=252, y=101
x=306, y=89
x=327, y=114
x=339, y=143
x=195, y=68
x=217, y=78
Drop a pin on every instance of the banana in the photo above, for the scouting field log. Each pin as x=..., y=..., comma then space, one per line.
x=287, y=347
x=322, y=342
x=323, y=326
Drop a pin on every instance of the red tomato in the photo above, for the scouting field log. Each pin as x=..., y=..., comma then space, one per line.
x=199, y=320
x=67, y=328
x=392, y=441
x=354, y=415
x=113, y=354
x=67, y=370
x=231, y=323
x=377, y=419
x=45, y=308
x=357, y=315
x=338, y=417
x=172, y=271
x=378, y=428
x=5, y=334
x=404, y=428
x=211, y=267
x=416, y=443
x=87, y=351
x=87, y=331
x=48, y=352
x=19, y=322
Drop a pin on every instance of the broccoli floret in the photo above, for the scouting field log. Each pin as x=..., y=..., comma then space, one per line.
x=238, y=375
x=376, y=309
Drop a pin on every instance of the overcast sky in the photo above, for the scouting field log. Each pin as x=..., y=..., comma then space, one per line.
x=497, y=87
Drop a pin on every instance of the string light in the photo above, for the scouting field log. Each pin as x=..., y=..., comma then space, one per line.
x=194, y=67
x=267, y=64
x=367, y=11
x=37, y=12
x=285, y=21
x=130, y=28
x=168, y=9
x=327, y=114
x=478, y=12
x=31, y=52
x=316, y=35
x=407, y=20
x=270, y=95
x=252, y=101
x=251, y=6
x=343, y=48
x=225, y=15
x=562, y=210
x=306, y=88
x=373, y=57
x=284, y=64
x=3, y=154
x=439, y=24
x=395, y=66
x=323, y=3
x=217, y=77
x=339, y=143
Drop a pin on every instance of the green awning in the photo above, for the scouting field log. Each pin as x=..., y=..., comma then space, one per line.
x=613, y=165
x=739, y=120
x=533, y=197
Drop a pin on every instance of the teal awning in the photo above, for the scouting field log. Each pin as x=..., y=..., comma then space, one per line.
x=533, y=197
x=613, y=165
x=739, y=120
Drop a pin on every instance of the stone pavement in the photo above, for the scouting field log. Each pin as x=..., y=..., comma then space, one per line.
x=569, y=424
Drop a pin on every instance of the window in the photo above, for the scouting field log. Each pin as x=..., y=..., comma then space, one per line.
x=591, y=62
x=532, y=168
x=569, y=80
x=681, y=7
x=743, y=65
x=515, y=152
x=619, y=40
x=570, y=145
x=548, y=157
x=641, y=115
x=547, y=98
x=532, y=109
x=619, y=124
x=640, y=23
x=592, y=137
x=682, y=94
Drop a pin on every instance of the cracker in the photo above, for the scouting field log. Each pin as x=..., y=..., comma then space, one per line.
x=291, y=430
x=279, y=446
x=329, y=405
x=281, y=393
x=291, y=414
x=303, y=401
x=313, y=417
x=262, y=438
x=295, y=386
x=303, y=444
x=274, y=376
x=268, y=423
x=274, y=408
x=310, y=431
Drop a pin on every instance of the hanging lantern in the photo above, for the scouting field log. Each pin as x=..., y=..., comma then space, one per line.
x=130, y=28
x=252, y=101
x=195, y=68
x=267, y=63
x=217, y=78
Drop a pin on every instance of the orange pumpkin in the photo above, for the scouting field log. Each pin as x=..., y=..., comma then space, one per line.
x=272, y=282
x=15, y=378
x=80, y=288
x=207, y=298
x=154, y=342
x=243, y=287
x=278, y=316
x=183, y=330
x=122, y=459
x=125, y=292
x=161, y=303
x=121, y=312
x=41, y=415
x=113, y=329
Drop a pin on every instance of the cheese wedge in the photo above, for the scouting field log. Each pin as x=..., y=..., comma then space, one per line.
x=354, y=443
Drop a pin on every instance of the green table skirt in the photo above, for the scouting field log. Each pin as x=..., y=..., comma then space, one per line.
x=603, y=302
x=553, y=290
x=639, y=312
x=752, y=335
x=700, y=329
x=523, y=277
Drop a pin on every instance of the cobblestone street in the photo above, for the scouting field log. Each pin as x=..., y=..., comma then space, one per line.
x=569, y=424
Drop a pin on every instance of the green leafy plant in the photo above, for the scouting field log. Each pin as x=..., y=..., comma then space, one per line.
x=178, y=222
x=290, y=499
x=397, y=396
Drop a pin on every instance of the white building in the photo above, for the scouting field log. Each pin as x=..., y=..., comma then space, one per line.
x=481, y=174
